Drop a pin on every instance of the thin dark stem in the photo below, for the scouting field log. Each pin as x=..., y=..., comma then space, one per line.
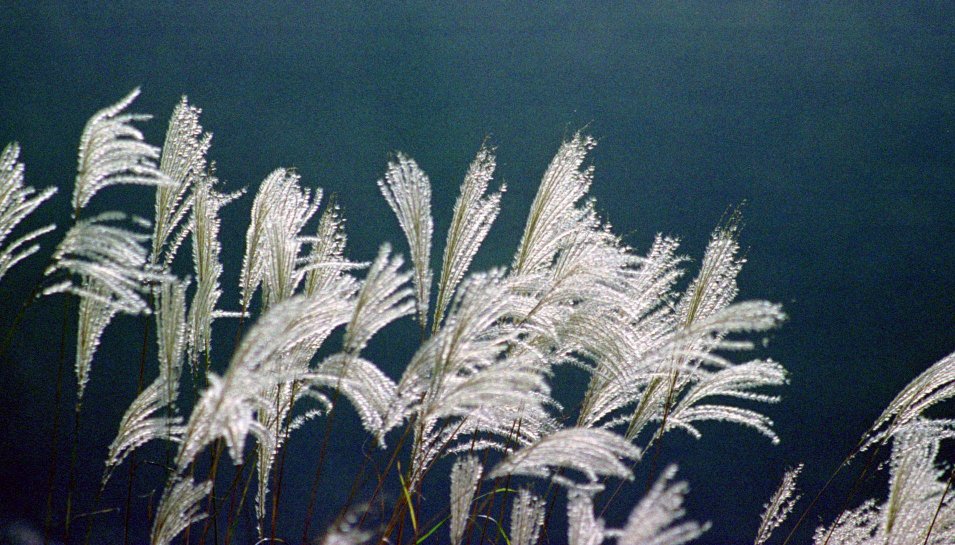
x=213, y=519
x=133, y=463
x=855, y=487
x=232, y=515
x=96, y=500
x=388, y=466
x=235, y=521
x=71, y=486
x=131, y=477
x=54, y=436
x=278, y=471
x=941, y=502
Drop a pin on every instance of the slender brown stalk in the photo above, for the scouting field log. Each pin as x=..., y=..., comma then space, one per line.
x=133, y=463
x=54, y=436
x=941, y=502
x=71, y=486
x=278, y=470
x=388, y=466
x=213, y=518
x=855, y=488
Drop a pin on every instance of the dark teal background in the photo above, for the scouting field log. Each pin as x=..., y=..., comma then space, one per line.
x=835, y=125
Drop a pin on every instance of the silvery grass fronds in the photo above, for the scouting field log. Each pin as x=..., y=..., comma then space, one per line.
x=463, y=374
x=593, y=452
x=171, y=334
x=625, y=345
x=554, y=215
x=110, y=260
x=582, y=527
x=920, y=508
x=112, y=152
x=327, y=253
x=474, y=212
x=273, y=242
x=206, y=249
x=178, y=508
x=183, y=161
x=655, y=519
x=779, y=506
x=228, y=407
x=737, y=382
x=408, y=192
x=465, y=477
x=588, y=280
x=111, y=276
x=17, y=201
x=932, y=386
x=141, y=423
x=527, y=518
x=95, y=313
x=382, y=298
x=691, y=367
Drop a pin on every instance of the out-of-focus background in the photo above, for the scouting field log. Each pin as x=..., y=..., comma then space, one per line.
x=834, y=125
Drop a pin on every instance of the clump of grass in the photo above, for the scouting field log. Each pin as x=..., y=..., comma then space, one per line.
x=659, y=356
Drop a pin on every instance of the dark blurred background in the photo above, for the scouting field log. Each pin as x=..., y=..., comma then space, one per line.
x=833, y=124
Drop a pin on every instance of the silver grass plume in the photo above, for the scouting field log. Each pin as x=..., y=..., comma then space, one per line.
x=171, y=334
x=469, y=340
x=111, y=262
x=465, y=477
x=408, y=192
x=593, y=452
x=932, y=386
x=112, y=152
x=738, y=382
x=183, y=162
x=623, y=347
x=273, y=242
x=382, y=298
x=527, y=518
x=654, y=521
x=327, y=255
x=690, y=367
x=206, y=249
x=228, y=408
x=919, y=509
x=141, y=424
x=283, y=272
x=178, y=508
x=95, y=313
x=462, y=381
x=17, y=201
x=779, y=506
x=553, y=215
x=473, y=215
x=369, y=390
x=582, y=527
